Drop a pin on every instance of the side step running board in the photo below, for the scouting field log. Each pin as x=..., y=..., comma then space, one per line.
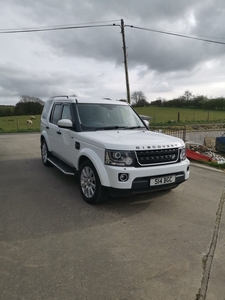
x=63, y=167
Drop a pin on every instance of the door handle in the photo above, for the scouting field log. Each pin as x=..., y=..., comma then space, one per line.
x=58, y=132
x=47, y=127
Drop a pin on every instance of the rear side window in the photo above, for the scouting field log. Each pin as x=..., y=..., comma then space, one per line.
x=56, y=114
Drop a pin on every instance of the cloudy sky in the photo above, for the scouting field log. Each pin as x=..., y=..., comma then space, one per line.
x=89, y=61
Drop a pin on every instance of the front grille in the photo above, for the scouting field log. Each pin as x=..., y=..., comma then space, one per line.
x=158, y=156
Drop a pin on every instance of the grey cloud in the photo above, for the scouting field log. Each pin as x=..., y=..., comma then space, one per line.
x=23, y=81
x=157, y=51
x=163, y=56
x=93, y=10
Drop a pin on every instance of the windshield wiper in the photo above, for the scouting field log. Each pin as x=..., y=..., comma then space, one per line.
x=111, y=128
x=135, y=127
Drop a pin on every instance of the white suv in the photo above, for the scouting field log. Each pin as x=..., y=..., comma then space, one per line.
x=109, y=147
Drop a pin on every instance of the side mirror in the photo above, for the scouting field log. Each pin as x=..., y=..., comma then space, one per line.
x=145, y=119
x=65, y=123
x=146, y=123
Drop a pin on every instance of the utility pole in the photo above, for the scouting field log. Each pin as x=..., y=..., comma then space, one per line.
x=125, y=61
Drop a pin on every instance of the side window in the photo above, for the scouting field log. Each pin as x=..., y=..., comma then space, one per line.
x=66, y=114
x=56, y=114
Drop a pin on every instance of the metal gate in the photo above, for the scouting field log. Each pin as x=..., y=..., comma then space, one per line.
x=179, y=131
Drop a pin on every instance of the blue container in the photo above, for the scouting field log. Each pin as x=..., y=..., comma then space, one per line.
x=220, y=144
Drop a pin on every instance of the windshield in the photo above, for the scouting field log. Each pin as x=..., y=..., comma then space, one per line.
x=107, y=117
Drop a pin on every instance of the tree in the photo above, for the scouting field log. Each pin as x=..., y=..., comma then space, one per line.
x=199, y=101
x=29, y=106
x=142, y=103
x=6, y=110
x=158, y=102
x=219, y=103
x=138, y=97
x=187, y=95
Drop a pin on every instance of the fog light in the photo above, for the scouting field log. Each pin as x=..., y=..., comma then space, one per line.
x=123, y=177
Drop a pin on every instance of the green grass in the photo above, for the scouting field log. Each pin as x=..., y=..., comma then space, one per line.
x=163, y=115
x=19, y=124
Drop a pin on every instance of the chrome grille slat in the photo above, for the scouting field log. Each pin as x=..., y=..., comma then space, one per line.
x=157, y=156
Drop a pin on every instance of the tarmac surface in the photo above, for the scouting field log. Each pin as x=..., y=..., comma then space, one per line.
x=165, y=245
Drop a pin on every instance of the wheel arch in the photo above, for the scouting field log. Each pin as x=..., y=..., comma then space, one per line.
x=44, y=137
x=90, y=155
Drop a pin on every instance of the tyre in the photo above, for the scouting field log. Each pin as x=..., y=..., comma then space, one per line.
x=45, y=154
x=90, y=186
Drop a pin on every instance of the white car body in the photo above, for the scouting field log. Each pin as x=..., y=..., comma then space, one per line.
x=147, y=151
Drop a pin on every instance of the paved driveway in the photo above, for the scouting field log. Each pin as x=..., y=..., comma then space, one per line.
x=55, y=246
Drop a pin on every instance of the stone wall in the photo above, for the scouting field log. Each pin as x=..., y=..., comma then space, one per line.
x=201, y=136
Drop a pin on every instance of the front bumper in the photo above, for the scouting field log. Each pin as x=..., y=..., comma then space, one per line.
x=142, y=185
x=139, y=178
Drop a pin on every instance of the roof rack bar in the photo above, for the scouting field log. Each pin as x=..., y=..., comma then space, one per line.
x=60, y=96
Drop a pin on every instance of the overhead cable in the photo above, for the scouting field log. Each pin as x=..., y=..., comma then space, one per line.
x=90, y=25
x=178, y=35
x=52, y=28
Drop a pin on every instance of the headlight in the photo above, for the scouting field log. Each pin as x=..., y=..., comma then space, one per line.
x=183, y=153
x=118, y=158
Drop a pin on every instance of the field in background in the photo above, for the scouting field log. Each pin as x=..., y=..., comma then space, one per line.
x=187, y=115
x=159, y=116
x=19, y=124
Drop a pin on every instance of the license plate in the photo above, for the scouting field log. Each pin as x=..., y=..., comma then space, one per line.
x=163, y=180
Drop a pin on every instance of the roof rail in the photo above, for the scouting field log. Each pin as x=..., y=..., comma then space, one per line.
x=60, y=96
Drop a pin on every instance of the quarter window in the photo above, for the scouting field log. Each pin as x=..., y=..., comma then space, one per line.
x=66, y=114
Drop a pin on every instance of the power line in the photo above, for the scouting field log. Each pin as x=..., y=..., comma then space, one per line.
x=59, y=27
x=177, y=34
x=101, y=24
